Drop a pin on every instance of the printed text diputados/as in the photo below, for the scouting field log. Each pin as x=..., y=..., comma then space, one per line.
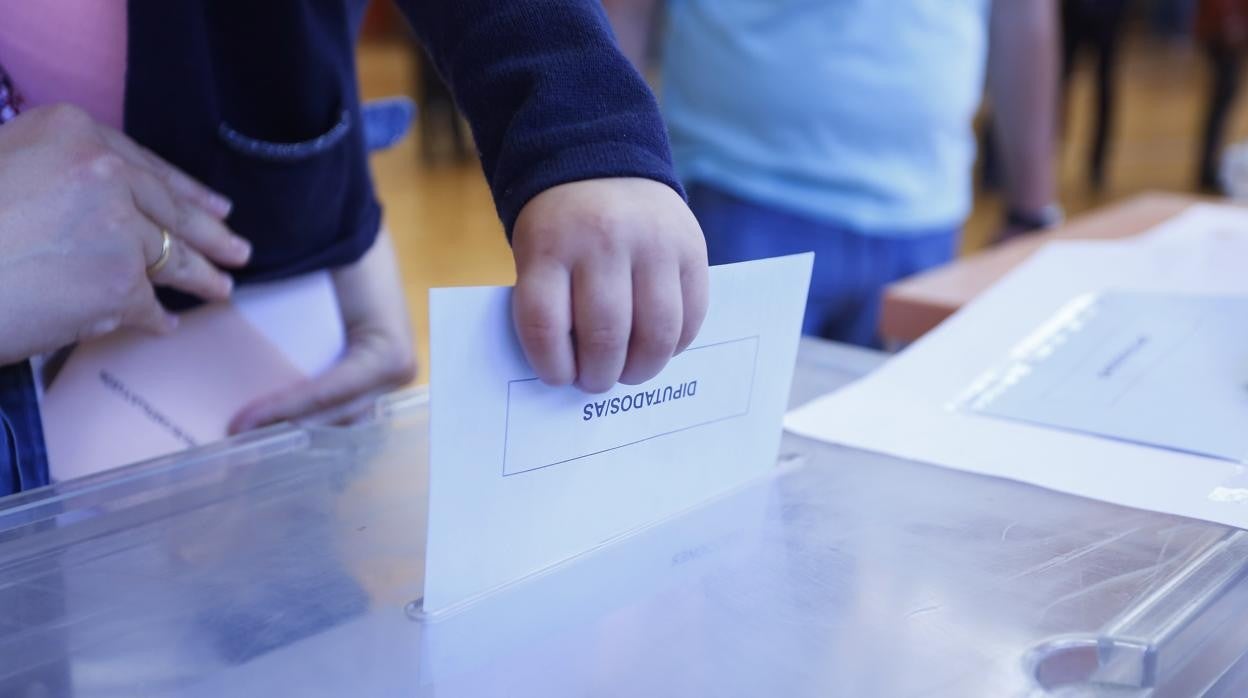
x=639, y=400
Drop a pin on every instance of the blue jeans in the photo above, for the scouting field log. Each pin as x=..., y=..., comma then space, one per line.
x=851, y=269
x=23, y=457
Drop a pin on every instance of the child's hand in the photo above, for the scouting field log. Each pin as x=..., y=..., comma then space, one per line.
x=611, y=281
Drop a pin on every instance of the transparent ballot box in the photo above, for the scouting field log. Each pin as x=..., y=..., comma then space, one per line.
x=291, y=563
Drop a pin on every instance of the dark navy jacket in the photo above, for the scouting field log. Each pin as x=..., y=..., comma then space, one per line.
x=258, y=99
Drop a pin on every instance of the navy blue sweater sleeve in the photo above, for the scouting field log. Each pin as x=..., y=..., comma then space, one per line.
x=549, y=96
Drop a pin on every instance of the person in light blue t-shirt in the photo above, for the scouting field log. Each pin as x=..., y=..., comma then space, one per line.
x=845, y=127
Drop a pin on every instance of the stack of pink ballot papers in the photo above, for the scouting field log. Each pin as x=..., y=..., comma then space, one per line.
x=132, y=396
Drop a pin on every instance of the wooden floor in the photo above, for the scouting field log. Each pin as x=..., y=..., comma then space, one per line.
x=447, y=233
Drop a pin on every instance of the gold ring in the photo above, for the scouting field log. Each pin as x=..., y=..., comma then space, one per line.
x=166, y=249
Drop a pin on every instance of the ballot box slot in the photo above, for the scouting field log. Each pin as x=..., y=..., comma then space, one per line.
x=723, y=521
x=1185, y=633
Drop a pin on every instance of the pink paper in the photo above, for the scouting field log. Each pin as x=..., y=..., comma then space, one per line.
x=132, y=396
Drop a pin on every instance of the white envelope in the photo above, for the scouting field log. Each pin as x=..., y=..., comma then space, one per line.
x=524, y=476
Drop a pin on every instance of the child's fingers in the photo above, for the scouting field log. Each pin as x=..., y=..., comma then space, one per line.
x=695, y=293
x=360, y=372
x=657, y=321
x=542, y=313
x=602, y=313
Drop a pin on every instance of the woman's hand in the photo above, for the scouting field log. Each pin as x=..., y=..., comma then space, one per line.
x=378, y=358
x=611, y=281
x=82, y=210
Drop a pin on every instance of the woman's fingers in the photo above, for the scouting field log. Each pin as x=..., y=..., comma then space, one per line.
x=182, y=267
x=202, y=232
x=182, y=184
x=144, y=312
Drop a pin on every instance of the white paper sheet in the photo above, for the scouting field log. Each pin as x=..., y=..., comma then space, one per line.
x=906, y=407
x=1159, y=369
x=524, y=476
x=299, y=316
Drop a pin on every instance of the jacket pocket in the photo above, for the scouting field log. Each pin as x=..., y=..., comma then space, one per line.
x=304, y=204
x=272, y=151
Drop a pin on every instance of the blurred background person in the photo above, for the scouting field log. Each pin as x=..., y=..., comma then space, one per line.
x=846, y=128
x=1171, y=20
x=1222, y=31
x=1095, y=26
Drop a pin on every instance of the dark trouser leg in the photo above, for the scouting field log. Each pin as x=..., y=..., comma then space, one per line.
x=1224, y=85
x=1108, y=39
x=1069, y=44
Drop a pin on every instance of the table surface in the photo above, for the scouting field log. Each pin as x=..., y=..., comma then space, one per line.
x=287, y=563
x=914, y=306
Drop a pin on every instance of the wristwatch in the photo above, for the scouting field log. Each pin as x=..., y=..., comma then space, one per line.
x=1037, y=219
